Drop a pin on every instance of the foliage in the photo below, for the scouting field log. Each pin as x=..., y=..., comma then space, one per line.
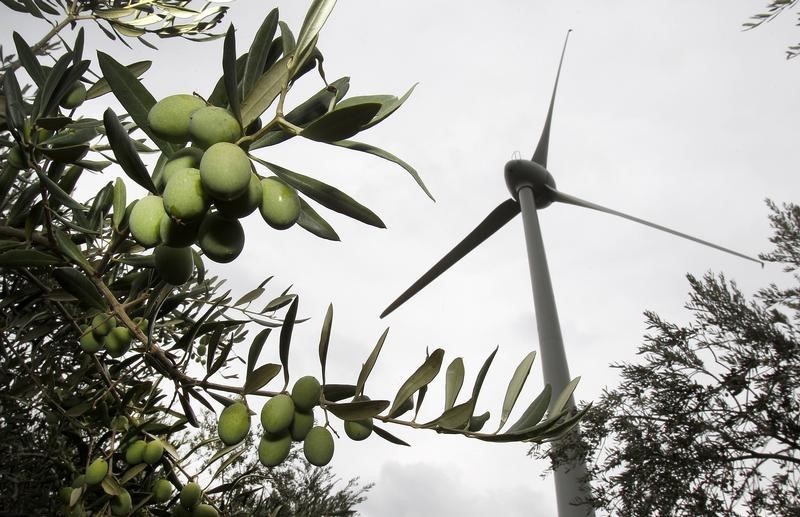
x=707, y=424
x=773, y=9
x=108, y=350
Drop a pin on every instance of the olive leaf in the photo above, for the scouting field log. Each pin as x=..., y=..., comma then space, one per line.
x=358, y=410
x=421, y=377
x=312, y=222
x=515, y=387
x=125, y=152
x=255, y=348
x=340, y=124
x=325, y=339
x=259, y=51
x=101, y=86
x=286, y=338
x=366, y=368
x=454, y=379
x=229, y=72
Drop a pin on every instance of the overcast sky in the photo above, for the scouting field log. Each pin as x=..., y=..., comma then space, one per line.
x=667, y=111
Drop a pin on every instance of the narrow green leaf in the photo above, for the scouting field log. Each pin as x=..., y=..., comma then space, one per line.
x=389, y=107
x=255, y=349
x=288, y=42
x=535, y=411
x=457, y=417
x=250, y=296
x=119, y=204
x=219, y=96
x=313, y=223
x=77, y=49
x=66, y=154
x=101, y=87
x=389, y=437
x=308, y=111
x=15, y=106
x=315, y=18
x=340, y=124
x=223, y=357
x=337, y=392
x=421, y=377
x=277, y=303
x=369, y=149
x=28, y=60
x=476, y=389
x=53, y=123
x=564, y=397
x=27, y=258
x=71, y=250
x=58, y=193
x=188, y=412
x=110, y=486
x=44, y=96
x=212, y=344
x=265, y=91
x=125, y=152
x=515, y=387
x=259, y=50
x=358, y=410
x=366, y=368
x=229, y=72
x=286, y=339
x=325, y=340
x=259, y=377
x=565, y=426
x=133, y=96
x=75, y=283
x=326, y=195
x=454, y=379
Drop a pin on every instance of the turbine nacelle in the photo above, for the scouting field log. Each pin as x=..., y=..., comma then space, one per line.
x=527, y=173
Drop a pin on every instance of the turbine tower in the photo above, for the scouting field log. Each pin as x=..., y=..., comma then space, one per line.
x=533, y=188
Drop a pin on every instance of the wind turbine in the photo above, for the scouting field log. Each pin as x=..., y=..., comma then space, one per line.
x=533, y=188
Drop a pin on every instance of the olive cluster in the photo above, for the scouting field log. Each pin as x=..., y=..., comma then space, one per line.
x=205, y=188
x=105, y=333
x=285, y=418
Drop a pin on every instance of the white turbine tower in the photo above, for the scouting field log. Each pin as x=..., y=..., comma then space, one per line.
x=533, y=188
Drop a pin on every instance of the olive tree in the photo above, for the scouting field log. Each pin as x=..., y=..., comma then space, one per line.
x=117, y=338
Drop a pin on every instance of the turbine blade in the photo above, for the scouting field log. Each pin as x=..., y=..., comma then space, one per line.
x=540, y=155
x=496, y=219
x=572, y=200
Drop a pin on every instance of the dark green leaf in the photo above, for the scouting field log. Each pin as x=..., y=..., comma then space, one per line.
x=58, y=193
x=312, y=222
x=125, y=152
x=45, y=95
x=15, y=106
x=75, y=283
x=77, y=49
x=223, y=357
x=255, y=349
x=101, y=87
x=212, y=344
x=229, y=72
x=340, y=124
x=219, y=97
x=405, y=407
x=188, y=412
x=259, y=377
x=476, y=423
x=53, y=123
x=359, y=410
x=14, y=6
x=325, y=339
x=366, y=368
x=421, y=377
x=476, y=389
x=286, y=339
x=28, y=60
x=386, y=435
x=70, y=249
x=515, y=386
x=33, y=9
x=366, y=148
x=454, y=379
x=133, y=96
x=389, y=104
x=27, y=258
x=326, y=195
x=337, y=392
x=277, y=303
x=288, y=42
x=66, y=154
x=259, y=49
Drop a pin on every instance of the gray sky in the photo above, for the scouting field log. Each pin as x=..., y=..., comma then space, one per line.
x=667, y=111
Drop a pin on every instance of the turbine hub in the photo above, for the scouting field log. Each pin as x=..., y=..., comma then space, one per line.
x=527, y=173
